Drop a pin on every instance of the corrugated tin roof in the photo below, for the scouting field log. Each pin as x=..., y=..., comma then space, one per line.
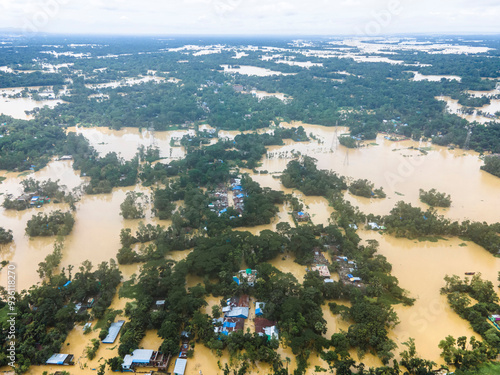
x=127, y=361
x=57, y=359
x=180, y=366
x=113, y=332
x=142, y=355
x=238, y=312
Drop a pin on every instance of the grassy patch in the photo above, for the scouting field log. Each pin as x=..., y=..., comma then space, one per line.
x=398, y=193
x=24, y=174
x=2, y=178
x=110, y=315
x=128, y=290
x=387, y=299
x=462, y=244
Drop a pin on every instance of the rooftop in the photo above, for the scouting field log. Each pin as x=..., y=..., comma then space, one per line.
x=113, y=332
x=59, y=359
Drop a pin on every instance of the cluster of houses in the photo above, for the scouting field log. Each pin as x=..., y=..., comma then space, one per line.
x=32, y=200
x=145, y=358
x=236, y=311
x=247, y=276
x=207, y=133
x=301, y=216
x=238, y=195
x=320, y=264
x=374, y=226
x=220, y=202
x=81, y=307
x=346, y=269
x=150, y=358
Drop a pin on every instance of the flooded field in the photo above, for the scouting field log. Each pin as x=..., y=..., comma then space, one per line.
x=17, y=107
x=302, y=64
x=125, y=82
x=126, y=141
x=433, y=78
x=396, y=166
x=491, y=109
x=253, y=71
x=263, y=94
x=431, y=319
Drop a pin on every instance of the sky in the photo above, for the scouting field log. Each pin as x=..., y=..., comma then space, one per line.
x=251, y=17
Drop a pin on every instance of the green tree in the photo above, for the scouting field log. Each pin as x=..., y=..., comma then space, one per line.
x=5, y=236
x=132, y=207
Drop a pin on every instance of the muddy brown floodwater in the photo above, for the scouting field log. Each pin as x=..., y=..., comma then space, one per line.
x=16, y=107
x=396, y=166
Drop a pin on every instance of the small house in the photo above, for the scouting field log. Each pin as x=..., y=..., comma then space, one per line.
x=180, y=366
x=374, y=226
x=60, y=359
x=266, y=327
x=301, y=216
x=247, y=275
x=113, y=332
x=323, y=271
x=238, y=312
x=259, y=308
x=144, y=358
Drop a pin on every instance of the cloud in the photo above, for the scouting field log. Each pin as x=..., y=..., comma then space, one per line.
x=254, y=16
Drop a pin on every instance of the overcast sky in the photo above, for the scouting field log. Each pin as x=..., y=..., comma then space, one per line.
x=307, y=17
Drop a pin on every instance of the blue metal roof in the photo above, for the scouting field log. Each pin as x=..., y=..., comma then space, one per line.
x=113, y=332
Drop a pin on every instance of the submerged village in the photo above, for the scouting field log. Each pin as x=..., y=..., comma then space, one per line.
x=250, y=207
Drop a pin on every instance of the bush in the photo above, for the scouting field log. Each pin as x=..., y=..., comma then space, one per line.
x=364, y=188
x=435, y=199
x=56, y=223
x=132, y=208
x=5, y=236
x=492, y=165
x=348, y=142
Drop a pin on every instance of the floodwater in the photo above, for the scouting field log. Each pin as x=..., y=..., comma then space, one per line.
x=126, y=140
x=399, y=170
x=302, y=64
x=454, y=107
x=253, y=71
x=434, y=78
x=77, y=342
x=431, y=319
x=264, y=94
x=392, y=165
x=16, y=107
x=95, y=235
x=125, y=82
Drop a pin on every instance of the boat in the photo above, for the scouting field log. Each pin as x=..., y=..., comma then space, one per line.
x=470, y=273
